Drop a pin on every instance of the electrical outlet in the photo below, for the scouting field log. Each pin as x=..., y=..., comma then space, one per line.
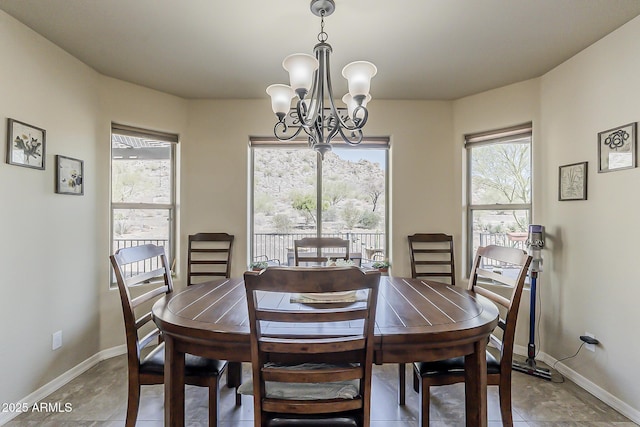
x=590, y=347
x=56, y=341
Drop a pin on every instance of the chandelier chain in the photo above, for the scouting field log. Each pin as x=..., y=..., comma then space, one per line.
x=322, y=35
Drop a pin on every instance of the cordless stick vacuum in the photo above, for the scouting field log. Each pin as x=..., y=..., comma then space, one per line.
x=535, y=243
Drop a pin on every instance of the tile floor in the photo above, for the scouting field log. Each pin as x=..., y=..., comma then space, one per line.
x=98, y=398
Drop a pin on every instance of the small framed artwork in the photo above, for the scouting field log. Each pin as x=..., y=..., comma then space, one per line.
x=617, y=148
x=69, y=176
x=25, y=145
x=573, y=182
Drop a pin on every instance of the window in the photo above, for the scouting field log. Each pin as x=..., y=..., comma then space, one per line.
x=295, y=194
x=142, y=189
x=498, y=188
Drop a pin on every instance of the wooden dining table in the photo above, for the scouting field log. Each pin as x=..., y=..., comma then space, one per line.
x=416, y=320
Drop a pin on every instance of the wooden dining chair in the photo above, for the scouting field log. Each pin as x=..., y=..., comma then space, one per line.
x=318, y=250
x=311, y=363
x=494, y=266
x=209, y=257
x=432, y=258
x=143, y=276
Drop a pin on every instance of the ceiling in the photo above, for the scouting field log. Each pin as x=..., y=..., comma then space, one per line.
x=424, y=49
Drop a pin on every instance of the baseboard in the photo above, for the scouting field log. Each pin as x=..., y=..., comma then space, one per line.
x=63, y=379
x=611, y=400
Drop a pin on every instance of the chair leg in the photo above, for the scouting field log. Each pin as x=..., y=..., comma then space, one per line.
x=133, y=402
x=425, y=401
x=416, y=381
x=402, y=380
x=234, y=379
x=504, y=391
x=214, y=401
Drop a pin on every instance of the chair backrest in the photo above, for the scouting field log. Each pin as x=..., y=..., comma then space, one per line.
x=317, y=250
x=432, y=257
x=285, y=333
x=512, y=271
x=156, y=281
x=209, y=257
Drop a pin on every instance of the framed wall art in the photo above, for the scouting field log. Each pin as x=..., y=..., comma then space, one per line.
x=69, y=176
x=25, y=145
x=573, y=182
x=617, y=148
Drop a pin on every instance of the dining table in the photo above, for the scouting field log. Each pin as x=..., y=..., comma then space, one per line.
x=416, y=320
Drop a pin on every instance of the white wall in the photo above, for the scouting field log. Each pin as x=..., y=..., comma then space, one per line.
x=592, y=271
x=48, y=256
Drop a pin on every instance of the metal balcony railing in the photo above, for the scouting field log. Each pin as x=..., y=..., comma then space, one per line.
x=279, y=246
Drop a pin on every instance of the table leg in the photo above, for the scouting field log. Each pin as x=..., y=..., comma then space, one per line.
x=173, y=384
x=476, y=385
x=234, y=378
x=402, y=383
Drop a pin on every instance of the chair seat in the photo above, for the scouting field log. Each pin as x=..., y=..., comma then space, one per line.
x=315, y=421
x=453, y=366
x=195, y=366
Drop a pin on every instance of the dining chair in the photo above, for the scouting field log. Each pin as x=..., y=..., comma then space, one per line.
x=143, y=276
x=493, y=267
x=432, y=258
x=317, y=250
x=209, y=257
x=312, y=362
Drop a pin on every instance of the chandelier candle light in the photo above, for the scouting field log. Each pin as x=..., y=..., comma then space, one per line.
x=310, y=80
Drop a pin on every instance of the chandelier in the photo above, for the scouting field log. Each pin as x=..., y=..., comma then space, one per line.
x=315, y=111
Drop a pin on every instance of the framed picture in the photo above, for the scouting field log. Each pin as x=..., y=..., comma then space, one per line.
x=69, y=176
x=25, y=145
x=617, y=148
x=573, y=182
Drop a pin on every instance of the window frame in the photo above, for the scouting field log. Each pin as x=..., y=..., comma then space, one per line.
x=379, y=143
x=493, y=137
x=171, y=207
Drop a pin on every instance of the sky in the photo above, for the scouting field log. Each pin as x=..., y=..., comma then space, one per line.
x=354, y=155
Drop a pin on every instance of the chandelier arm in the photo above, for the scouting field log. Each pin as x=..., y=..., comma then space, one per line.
x=357, y=124
x=327, y=77
x=303, y=115
x=360, y=122
x=285, y=128
x=333, y=131
x=318, y=130
x=313, y=137
x=357, y=134
x=308, y=115
x=309, y=118
x=334, y=110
